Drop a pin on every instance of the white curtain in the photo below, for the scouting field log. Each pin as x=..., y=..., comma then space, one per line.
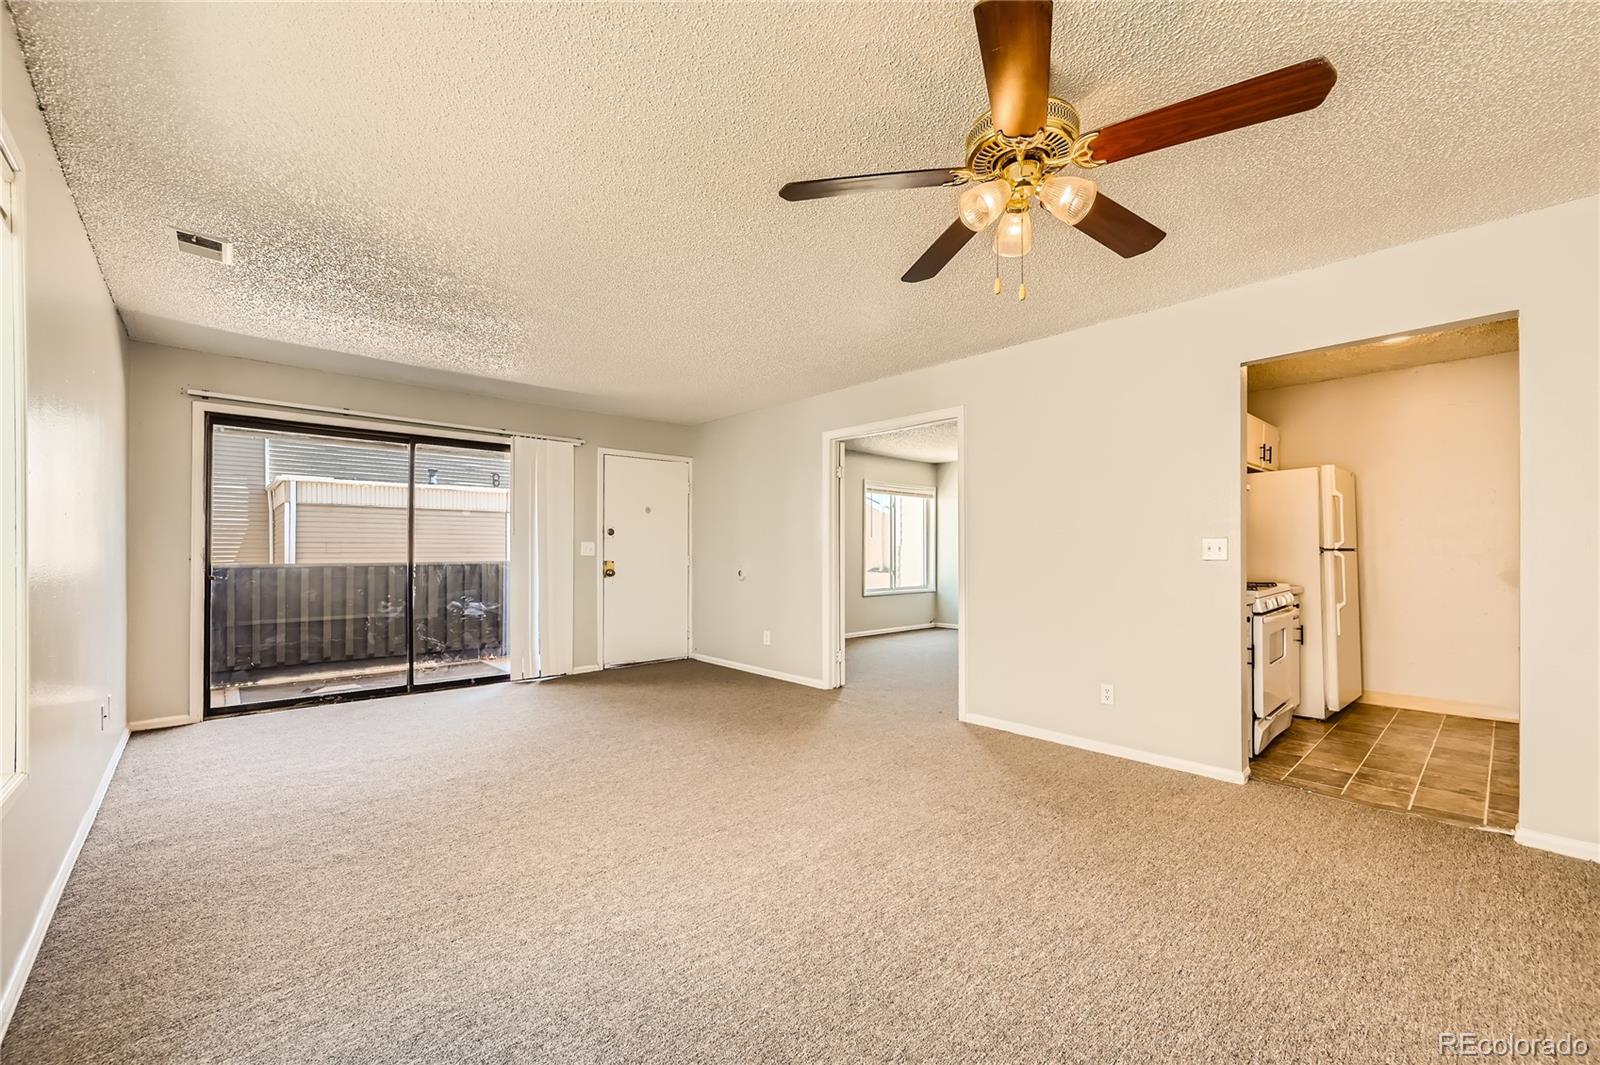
x=541, y=557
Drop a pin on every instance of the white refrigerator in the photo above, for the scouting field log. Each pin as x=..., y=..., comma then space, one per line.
x=1300, y=528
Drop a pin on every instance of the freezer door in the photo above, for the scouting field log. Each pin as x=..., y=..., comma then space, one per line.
x=1339, y=526
x=1341, y=628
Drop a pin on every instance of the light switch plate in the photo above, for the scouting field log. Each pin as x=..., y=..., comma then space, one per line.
x=1214, y=549
x=586, y=549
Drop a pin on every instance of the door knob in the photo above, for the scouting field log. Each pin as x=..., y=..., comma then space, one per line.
x=611, y=568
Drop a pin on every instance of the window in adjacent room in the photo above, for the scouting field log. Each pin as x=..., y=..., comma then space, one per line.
x=13, y=486
x=897, y=540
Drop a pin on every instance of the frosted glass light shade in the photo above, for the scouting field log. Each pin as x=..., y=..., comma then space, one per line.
x=1068, y=197
x=1013, y=237
x=983, y=203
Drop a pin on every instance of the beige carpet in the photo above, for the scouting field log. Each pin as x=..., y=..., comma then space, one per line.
x=684, y=863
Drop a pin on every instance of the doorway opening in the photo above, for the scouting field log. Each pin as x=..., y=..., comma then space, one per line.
x=1381, y=560
x=895, y=581
x=345, y=563
x=646, y=571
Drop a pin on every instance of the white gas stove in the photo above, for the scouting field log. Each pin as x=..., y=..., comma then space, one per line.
x=1276, y=638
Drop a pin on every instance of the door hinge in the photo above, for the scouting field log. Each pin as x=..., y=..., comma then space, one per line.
x=838, y=656
x=838, y=471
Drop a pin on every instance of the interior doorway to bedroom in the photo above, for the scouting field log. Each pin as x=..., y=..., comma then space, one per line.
x=896, y=578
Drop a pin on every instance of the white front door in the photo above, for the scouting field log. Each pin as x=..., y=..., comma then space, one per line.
x=644, y=537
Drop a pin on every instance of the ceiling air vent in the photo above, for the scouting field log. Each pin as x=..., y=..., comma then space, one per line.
x=205, y=247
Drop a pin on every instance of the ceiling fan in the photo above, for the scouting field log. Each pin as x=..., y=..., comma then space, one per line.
x=1029, y=145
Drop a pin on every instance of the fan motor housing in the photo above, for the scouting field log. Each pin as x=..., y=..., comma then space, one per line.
x=989, y=151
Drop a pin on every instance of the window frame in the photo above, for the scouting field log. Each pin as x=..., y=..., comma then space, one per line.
x=929, y=494
x=13, y=479
x=211, y=418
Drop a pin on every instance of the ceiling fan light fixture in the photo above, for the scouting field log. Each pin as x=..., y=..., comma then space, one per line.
x=1068, y=197
x=1013, y=237
x=982, y=204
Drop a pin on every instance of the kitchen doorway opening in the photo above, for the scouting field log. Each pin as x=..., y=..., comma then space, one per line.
x=1381, y=520
x=895, y=584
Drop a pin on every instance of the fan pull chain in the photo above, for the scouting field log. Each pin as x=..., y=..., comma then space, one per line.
x=1022, y=278
x=997, y=269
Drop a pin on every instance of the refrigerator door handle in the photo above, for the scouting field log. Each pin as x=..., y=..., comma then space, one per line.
x=1338, y=502
x=1344, y=595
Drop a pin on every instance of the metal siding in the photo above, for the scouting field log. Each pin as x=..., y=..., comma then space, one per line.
x=279, y=542
x=294, y=455
x=328, y=534
x=352, y=498
x=461, y=536
x=467, y=467
x=238, y=497
x=323, y=491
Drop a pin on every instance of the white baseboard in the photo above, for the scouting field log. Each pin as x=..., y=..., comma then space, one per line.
x=575, y=670
x=1183, y=765
x=1572, y=848
x=885, y=632
x=945, y=625
x=761, y=671
x=160, y=722
x=41, y=923
x=1482, y=711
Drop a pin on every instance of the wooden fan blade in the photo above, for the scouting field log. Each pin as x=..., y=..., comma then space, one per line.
x=1014, y=37
x=940, y=252
x=844, y=186
x=1276, y=95
x=1119, y=228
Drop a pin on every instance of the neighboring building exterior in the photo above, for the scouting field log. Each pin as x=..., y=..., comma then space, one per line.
x=280, y=499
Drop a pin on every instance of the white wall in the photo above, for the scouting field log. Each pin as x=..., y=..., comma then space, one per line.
x=159, y=487
x=1138, y=423
x=76, y=565
x=946, y=604
x=1434, y=451
x=870, y=613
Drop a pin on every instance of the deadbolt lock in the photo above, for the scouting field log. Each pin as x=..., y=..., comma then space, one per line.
x=611, y=568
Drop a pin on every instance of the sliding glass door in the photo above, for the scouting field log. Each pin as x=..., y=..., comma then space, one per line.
x=350, y=564
x=461, y=548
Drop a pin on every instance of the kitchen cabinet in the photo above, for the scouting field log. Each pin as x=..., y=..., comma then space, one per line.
x=1261, y=451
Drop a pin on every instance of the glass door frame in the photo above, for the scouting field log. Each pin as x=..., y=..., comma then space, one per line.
x=270, y=423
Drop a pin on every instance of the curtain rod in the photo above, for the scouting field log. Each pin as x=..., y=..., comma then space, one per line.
x=205, y=393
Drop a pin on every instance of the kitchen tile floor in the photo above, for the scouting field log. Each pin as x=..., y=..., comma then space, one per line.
x=1449, y=768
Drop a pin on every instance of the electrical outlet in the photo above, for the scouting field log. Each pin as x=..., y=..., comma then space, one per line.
x=1108, y=694
x=1214, y=549
x=766, y=637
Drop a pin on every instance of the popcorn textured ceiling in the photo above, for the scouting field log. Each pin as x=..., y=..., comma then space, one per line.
x=935, y=442
x=580, y=201
x=1405, y=352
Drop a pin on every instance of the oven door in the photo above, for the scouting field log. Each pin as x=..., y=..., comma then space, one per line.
x=1276, y=680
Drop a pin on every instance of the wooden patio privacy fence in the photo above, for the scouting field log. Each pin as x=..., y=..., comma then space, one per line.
x=268, y=618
